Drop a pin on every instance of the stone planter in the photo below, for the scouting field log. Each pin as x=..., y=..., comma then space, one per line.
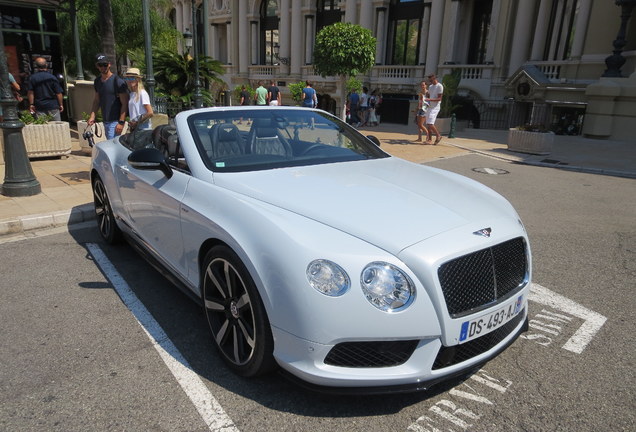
x=539, y=143
x=46, y=140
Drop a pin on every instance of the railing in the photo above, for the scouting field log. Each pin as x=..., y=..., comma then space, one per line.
x=551, y=70
x=471, y=71
x=265, y=71
x=397, y=72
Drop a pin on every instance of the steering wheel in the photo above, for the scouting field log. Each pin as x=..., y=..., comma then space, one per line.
x=311, y=148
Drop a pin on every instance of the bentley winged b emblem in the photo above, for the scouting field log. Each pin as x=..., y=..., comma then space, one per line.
x=484, y=232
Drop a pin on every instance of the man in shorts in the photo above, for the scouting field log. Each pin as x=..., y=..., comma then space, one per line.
x=273, y=94
x=435, y=93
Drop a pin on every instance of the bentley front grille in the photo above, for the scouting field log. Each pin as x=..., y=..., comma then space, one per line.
x=483, y=278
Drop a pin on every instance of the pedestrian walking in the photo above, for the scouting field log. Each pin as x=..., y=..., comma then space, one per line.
x=44, y=92
x=139, y=108
x=363, y=112
x=435, y=94
x=273, y=94
x=260, y=97
x=354, y=100
x=111, y=97
x=310, y=100
x=420, y=115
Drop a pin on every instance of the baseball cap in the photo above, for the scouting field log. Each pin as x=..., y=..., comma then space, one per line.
x=102, y=58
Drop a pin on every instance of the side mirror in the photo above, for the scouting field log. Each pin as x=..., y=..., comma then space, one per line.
x=374, y=140
x=149, y=159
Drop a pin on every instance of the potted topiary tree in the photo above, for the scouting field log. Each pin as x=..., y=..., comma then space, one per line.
x=336, y=55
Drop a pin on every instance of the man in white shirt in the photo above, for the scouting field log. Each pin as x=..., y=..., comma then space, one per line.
x=435, y=93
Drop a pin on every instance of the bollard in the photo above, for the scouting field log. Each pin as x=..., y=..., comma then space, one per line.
x=453, y=122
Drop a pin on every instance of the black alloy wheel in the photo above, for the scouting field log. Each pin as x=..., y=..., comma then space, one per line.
x=105, y=218
x=236, y=315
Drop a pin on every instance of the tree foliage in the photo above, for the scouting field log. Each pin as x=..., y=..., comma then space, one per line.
x=175, y=74
x=450, y=83
x=128, y=30
x=344, y=49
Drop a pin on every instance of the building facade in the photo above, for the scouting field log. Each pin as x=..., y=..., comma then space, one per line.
x=520, y=61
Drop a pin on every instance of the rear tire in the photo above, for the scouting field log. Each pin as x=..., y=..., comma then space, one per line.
x=104, y=212
x=236, y=315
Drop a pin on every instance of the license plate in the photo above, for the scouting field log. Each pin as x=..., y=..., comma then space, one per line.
x=483, y=325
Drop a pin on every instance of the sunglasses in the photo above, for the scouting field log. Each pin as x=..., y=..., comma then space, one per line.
x=130, y=78
x=102, y=64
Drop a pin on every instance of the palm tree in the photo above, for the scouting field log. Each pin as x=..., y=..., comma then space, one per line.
x=175, y=75
x=106, y=31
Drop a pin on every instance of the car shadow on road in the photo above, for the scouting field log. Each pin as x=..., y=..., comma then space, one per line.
x=184, y=322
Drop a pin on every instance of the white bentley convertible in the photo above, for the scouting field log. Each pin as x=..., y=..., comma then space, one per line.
x=313, y=251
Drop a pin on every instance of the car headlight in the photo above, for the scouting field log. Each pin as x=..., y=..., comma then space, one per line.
x=328, y=277
x=387, y=287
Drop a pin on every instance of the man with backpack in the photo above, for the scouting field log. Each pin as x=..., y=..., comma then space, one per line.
x=111, y=96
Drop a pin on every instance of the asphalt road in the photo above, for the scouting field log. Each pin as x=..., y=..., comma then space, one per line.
x=75, y=358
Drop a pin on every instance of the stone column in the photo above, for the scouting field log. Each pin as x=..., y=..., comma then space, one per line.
x=380, y=35
x=213, y=41
x=228, y=36
x=254, y=43
x=541, y=30
x=492, y=31
x=521, y=35
x=449, y=33
x=284, y=32
x=426, y=22
x=243, y=38
x=580, y=28
x=351, y=11
x=310, y=31
x=435, y=36
x=296, y=55
x=366, y=14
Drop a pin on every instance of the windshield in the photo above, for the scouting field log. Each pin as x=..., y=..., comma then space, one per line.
x=231, y=140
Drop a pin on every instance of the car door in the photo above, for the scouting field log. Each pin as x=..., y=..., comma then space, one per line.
x=152, y=203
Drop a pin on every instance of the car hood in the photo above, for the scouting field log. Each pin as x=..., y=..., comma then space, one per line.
x=388, y=202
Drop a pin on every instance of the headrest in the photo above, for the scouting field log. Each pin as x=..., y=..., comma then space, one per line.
x=227, y=133
x=266, y=132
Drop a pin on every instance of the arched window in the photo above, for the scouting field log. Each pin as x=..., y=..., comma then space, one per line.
x=327, y=13
x=269, y=31
x=405, y=24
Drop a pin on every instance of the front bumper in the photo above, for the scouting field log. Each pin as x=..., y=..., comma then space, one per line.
x=430, y=363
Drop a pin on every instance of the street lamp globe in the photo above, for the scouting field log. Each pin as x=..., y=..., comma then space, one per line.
x=187, y=37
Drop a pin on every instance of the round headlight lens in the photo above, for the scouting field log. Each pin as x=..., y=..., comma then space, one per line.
x=328, y=277
x=386, y=286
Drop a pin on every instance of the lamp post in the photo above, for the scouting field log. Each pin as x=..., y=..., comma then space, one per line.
x=150, y=77
x=191, y=41
x=19, y=179
x=283, y=60
x=616, y=60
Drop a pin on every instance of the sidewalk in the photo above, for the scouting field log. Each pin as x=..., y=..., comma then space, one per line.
x=67, y=197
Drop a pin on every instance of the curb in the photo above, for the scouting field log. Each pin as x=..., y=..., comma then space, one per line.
x=78, y=214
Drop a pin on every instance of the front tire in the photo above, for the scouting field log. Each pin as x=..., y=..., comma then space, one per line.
x=236, y=315
x=104, y=213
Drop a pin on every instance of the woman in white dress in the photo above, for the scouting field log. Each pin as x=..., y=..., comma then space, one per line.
x=139, y=108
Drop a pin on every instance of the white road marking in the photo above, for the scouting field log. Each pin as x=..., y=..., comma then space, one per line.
x=206, y=404
x=491, y=171
x=593, y=321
